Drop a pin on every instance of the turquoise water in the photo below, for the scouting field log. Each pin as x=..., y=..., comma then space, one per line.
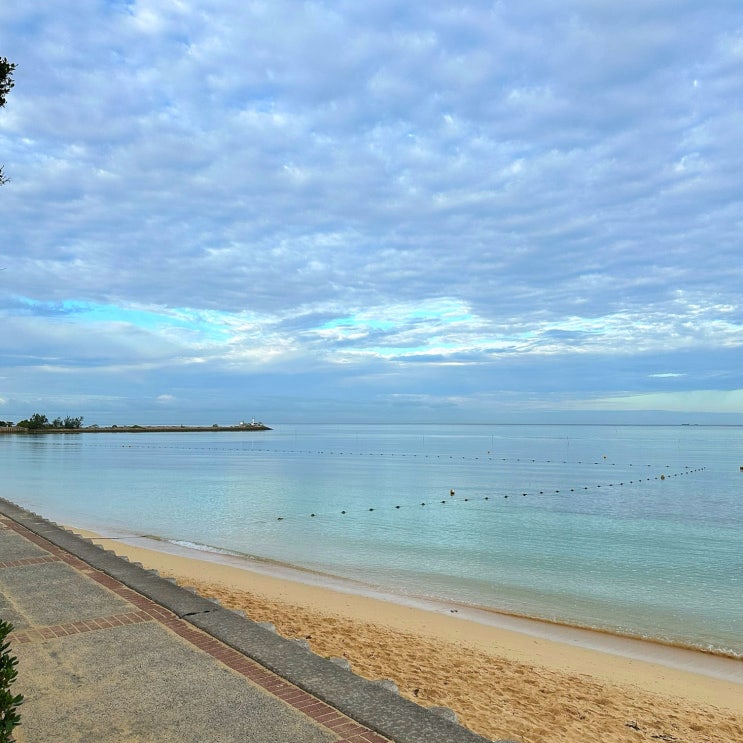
x=634, y=530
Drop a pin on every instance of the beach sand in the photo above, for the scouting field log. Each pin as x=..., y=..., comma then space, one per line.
x=501, y=683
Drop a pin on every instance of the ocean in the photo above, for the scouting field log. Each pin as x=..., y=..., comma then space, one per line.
x=633, y=530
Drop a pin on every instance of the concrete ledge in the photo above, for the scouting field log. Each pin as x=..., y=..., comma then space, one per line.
x=365, y=701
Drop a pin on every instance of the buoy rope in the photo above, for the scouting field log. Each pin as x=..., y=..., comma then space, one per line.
x=475, y=499
x=488, y=457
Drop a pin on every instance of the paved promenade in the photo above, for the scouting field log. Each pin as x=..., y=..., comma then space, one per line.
x=111, y=653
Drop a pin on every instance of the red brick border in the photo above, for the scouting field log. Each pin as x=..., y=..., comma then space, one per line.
x=147, y=610
x=50, y=632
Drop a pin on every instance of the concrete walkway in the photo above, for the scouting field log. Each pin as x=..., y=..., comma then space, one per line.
x=110, y=652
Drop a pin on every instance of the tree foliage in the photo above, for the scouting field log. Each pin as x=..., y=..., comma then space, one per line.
x=6, y=78
x=6, y=83
x=9, y=702
x=72, y=422
x=39, y=422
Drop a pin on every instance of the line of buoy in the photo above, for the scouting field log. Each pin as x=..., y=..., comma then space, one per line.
x=246, y=449
x=452, y=493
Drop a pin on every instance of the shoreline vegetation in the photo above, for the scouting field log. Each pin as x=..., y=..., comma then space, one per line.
x=134, y=429
x=502, y=683
x=40, y=423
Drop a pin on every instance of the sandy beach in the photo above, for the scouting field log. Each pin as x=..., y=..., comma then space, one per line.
x=501, y=683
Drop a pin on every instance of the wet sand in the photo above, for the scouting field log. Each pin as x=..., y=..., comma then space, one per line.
x=507, y=678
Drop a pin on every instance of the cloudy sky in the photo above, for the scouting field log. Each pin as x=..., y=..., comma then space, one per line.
x=364, y=211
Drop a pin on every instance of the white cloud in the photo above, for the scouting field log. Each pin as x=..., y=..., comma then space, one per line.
x=282, y=185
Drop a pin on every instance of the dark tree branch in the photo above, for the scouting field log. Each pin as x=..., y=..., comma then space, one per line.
x=6, y=83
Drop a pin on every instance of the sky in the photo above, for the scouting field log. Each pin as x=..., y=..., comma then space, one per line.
x=485, y=212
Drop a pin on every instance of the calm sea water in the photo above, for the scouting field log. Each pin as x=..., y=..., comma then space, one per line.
x=634, y=530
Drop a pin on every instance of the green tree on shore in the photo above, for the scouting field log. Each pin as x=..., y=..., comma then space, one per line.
x=36, y=422
x=6, y=83
x=39, y=422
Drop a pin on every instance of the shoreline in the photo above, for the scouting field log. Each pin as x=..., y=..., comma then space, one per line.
x=628, y=645
x=603, y=639
x=504, y=676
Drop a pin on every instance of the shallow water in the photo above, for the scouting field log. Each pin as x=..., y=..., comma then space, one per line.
x=634, y=530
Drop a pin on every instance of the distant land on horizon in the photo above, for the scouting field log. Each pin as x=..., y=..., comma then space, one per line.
x=139, y=429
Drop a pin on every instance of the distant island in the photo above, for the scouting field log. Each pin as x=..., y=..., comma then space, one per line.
x=39, y=423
